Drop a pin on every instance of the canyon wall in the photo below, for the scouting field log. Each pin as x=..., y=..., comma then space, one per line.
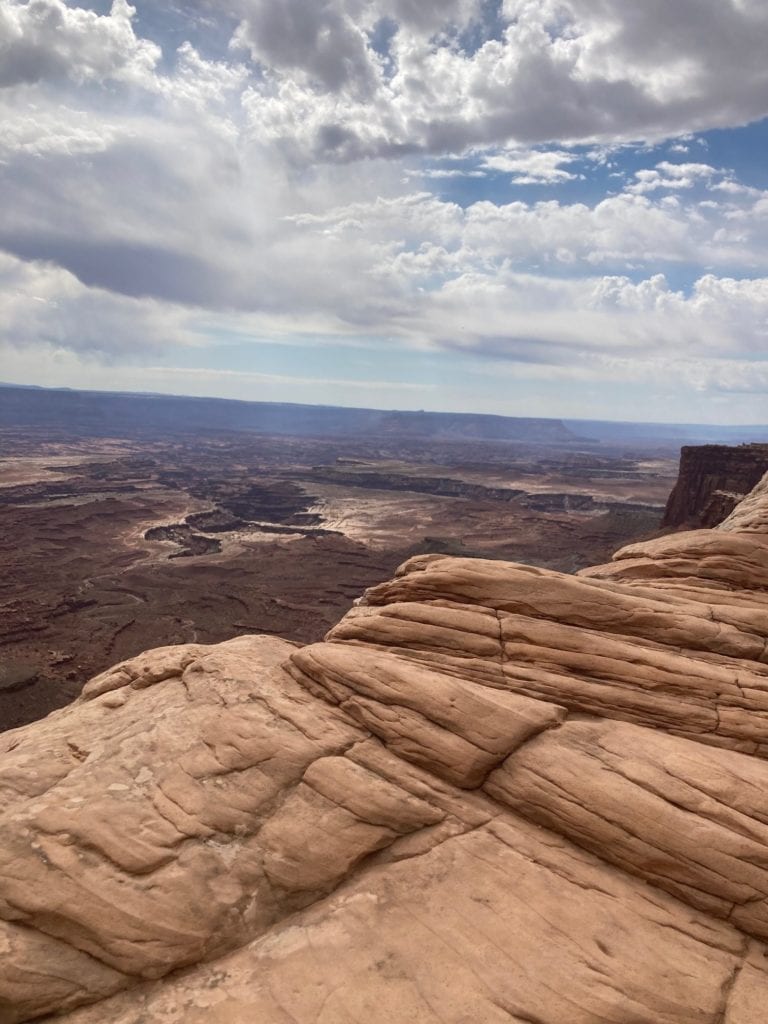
x=713, y=479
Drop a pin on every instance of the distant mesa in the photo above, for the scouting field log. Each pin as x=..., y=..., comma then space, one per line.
x=107, y=414
x=627, y=433
x=130, y=414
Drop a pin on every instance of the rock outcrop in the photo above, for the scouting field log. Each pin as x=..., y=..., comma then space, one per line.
x=713, y=479
x=495, y=793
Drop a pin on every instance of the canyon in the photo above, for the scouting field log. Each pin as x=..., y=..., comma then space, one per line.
x=112, y=544
x=494, y=792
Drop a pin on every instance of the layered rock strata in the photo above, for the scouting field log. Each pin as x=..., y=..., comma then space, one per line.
x=494, y=793
x=713, y=479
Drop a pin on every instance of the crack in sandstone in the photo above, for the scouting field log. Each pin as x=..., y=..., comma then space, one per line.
x=730, y=983
x=529, y=808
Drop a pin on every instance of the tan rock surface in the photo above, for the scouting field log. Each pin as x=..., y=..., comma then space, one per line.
x=502, y=924
x=495, y=793
x=692, y=820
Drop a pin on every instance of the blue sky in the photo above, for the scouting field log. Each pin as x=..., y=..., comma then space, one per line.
x=554, y=208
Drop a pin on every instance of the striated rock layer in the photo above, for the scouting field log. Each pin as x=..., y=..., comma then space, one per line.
x=713, y=479
x=495, y=793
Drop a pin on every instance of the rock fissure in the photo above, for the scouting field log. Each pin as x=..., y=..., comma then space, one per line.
x=730, y=984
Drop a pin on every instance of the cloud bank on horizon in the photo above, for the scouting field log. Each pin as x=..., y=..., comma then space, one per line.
x=529, y=207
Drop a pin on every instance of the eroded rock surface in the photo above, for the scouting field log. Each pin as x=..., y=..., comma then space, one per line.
x=494, y=793
x=713, y=479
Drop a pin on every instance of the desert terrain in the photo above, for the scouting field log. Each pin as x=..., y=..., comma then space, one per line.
x=114, y=544
x=493, y=793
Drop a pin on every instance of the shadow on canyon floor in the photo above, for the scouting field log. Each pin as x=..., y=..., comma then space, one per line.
x=110, y=546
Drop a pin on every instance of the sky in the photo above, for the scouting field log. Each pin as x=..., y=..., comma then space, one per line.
x=525, y=207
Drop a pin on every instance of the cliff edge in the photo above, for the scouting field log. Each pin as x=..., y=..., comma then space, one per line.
x=495, y=793
x=712, y=480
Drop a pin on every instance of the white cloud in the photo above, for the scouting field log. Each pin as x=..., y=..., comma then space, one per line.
x=414, y=268
x=705, y=376
x=708, y=377
x=318, y=41
x=672, y=176
x=532, y=167
x=427, y=16
x=42, y=303
x=436, y=173
x=617, y=231
x=41, y=133
x=157, y=204
x=534, y=318
x=564, y=70
x=205, y=85
x=47, y=39
x=182, y=376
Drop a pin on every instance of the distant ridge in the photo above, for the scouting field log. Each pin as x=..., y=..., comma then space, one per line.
x=683, y=433
x=121, y=413
x=104, y=414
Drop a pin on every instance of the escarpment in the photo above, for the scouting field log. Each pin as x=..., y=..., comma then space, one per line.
x=494, y=793
x=713, y=479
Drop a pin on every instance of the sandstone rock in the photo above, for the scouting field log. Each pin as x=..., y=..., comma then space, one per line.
x=632, y=794
x=751, y=514
x=128, y=818
x=457, y=729
x=712, y=480
x=502, y=924
x=494, y=793
x=733, y=562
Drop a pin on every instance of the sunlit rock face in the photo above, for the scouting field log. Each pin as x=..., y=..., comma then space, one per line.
x=494, y=793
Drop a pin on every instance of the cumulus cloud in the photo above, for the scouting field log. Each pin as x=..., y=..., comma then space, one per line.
x=549, y=70
x=624, y=230
x=163, y=195
x=47, y=39
x=429, y=16
x=142, y=224
x=533, y=168
x=562, y=70
x=672, y=176
x=40, y=303
x=41, y=133
x=535, y=318
x=318, y=40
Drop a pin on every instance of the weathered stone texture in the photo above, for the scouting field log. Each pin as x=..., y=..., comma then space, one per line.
x=712, y=480
x=494, y=793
